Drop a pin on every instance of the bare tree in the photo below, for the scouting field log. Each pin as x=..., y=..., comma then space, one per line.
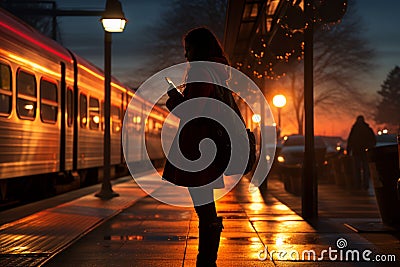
x=178, y=18
x=341, y=58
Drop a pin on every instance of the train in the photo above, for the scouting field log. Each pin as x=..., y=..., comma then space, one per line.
x=52, y=117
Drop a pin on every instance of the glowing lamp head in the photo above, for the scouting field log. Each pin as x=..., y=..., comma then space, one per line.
x=113, y=19
x=256, y=118
x=279, y=101
x=113, y=25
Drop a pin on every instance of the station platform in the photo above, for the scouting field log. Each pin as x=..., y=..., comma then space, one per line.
x=135, y=229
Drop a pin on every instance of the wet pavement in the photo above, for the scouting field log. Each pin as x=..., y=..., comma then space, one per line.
x=150, y=233
x=260, y=230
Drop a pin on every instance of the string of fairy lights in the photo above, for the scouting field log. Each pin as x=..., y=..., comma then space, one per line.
x=269, y=58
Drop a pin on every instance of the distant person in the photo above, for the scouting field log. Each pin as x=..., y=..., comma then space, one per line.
x=360, y=139
x=200, y=45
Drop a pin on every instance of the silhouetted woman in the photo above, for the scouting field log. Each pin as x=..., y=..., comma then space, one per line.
x=200, y=45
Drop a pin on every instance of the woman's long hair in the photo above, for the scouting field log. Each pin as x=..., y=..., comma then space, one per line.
x=205, y=45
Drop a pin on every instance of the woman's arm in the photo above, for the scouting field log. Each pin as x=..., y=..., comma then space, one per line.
x=192, y=90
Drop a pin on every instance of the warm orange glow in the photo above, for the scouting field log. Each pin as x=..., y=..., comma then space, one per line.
x=28, y=107
x=96, y=119
x=256, y=206
x=20, y=249
x=36, y=42
x=33, y=65
x=326, y=124
x=279, y=101
x=279, y=241
x=256, y=118
x=113, y=25
x=129, y=237
x=281, y=207
x=156, y=116
x=101, y=77
x=136, y=119
x=18, y=237
x=118, y=87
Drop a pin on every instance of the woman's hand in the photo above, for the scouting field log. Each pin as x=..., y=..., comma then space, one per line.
x=173, y=92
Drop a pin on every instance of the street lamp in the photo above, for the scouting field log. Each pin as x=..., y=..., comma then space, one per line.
x=113, y=20
x=279, y=101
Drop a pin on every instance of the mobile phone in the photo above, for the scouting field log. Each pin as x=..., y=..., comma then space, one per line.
x=169, y=81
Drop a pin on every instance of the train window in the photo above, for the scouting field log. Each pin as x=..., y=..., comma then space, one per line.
x=70, y=107
x=116, y=119
x=48, y=101
x=5, y=90
x=149, y=125
x=157, y=127
x=83, y=110
x=94, y=113
x=137, y=121
x=26, y=95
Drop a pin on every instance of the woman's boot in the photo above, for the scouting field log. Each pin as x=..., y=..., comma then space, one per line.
x=209, y=237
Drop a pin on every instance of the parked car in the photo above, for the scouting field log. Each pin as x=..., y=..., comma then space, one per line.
x=385, y=139
x=291, y=157
x=385, y=173
x=334, y=145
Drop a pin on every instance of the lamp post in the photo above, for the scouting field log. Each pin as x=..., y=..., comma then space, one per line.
x=113, y=20
x=309, y=180
x=279, y=101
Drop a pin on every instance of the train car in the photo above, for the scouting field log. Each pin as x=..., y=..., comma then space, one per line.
x=52, y=115
x=34, y=72
x=143, y=124
x=89, y=120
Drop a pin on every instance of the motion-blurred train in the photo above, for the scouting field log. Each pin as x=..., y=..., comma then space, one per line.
x=52, y=116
